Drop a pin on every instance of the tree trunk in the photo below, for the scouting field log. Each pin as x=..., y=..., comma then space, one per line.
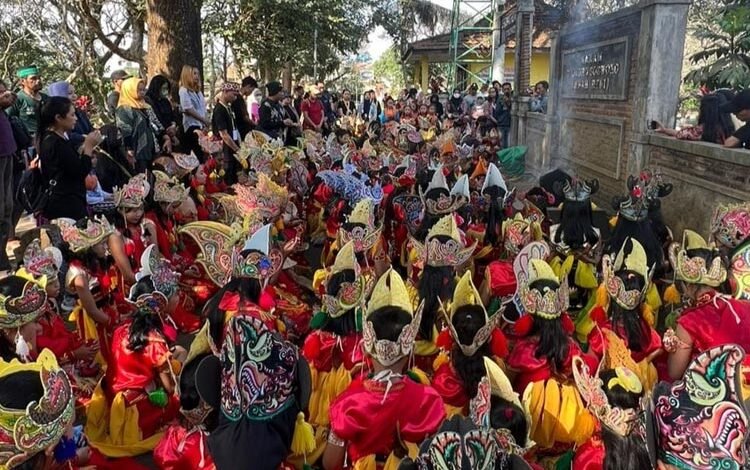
x=174, y=37
x=286, y=76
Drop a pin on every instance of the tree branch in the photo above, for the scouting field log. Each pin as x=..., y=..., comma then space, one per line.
x=85, y=12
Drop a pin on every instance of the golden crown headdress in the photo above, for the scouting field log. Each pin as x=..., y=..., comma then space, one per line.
x=133, y=194
x=38, y=261
x=730, y=224
x=464, y=294
x=350, y=294
x=694, y=270
x=636, y=262
x=168, y=189
x=216, y=242
x=41, y=424
x=25, y=308
x=519, y=232
x=549, y=304
x=97, y=230
x=437, y=253
x=390, y=290
x=365, y=235
x=619, y=420
x=496, y=383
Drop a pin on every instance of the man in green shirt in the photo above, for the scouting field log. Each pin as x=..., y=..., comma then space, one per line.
x=30, y=98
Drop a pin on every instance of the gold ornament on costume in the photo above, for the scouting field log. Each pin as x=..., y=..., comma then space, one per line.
x=132, y=195
x=168, y=189
x=519, y=232
x=464, y=294
x=635, y=262
x=694, y=270
x=730, y=224
x=619, y=420
x=41, y=424
x=549, y=304
x=186, y=161
x=364, y=235
x=437, y=253
x=97, y=230
x=390, y=290
x=38, y=261
x=350, y=294
x=18, y=311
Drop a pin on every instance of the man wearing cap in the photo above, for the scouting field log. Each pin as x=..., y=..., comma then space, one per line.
x=223, y=122
x=117, y=77
x=29, y=99
x=740, y=107
x=271, y=119
x=244, y=123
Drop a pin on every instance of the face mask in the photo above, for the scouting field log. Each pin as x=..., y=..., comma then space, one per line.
x=165, y=93
x=22, y=347
x=457, y=95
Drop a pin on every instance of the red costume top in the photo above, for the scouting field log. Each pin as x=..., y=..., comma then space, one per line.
x=135, y=370
x=450, y=386
x=590, y=455
x=534, y=369
x=324, y=350
x=596, y=340
x=56, y=337
x=718, y=320
x=367, y=424
x=181, y=449
x=166, y=236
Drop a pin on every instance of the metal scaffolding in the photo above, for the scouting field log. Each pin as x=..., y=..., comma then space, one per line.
x=472, y=41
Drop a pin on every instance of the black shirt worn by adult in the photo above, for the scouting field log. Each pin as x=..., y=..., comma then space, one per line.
x=743, y=135
x=242, y=119
x=271, y=118
x=63, y=164
x=298, y=105
x=347, y=107
x=223, y=120
x=112, y=99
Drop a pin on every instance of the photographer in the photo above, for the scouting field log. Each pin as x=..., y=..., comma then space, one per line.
x=539, y=99
x=501, y=112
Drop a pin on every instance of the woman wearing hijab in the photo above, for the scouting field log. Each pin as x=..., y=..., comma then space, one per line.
x=157, y=96
x=132, y=116
x=83, y=124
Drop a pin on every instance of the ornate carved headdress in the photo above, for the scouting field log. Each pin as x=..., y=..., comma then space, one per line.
x=186, y=161
x=365, y=236
x=466, y=293
x=390, y=290
x=168, y=189
x=262, y=263
x=165, y=280
x=636, y=262
x=38, y=261
x=134, y=192
x=549, y=304
x=26, y=432
x=350, y=294
x=730, y=224
x=519, y=232
x=445, y=203
x=18, y=311
x=97, y=230
x=694, y=270
x=580, y=190
x=449, y=253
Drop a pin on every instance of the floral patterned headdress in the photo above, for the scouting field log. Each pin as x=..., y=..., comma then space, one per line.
x=25, y=308
x=97, y=230
x=38, y=261
x=262, y=262
x=41, y=424
x=365, y=236
x=164, y=278
x=730, y=224
x=445, y=203
x=168, y=189
x=350, y=294
x=437, y=253
x=635, y=262
x=551, y=303
x=133, y=194
x=694, y=270
x=186, y=161
x=519, y=232
x=390, y=290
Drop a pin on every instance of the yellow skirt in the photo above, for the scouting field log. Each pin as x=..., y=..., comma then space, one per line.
x=113, y=430
x=391, y=463
x=558, y=414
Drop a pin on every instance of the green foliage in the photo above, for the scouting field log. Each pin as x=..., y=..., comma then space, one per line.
x=725, y=58
x=388, y=68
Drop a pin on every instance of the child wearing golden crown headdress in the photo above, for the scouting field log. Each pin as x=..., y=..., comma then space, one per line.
x=471, y=334
x=137, y=231
x=385, y=410
x=711, y=318
x=541, y=359
x=730, y=229
x=166, y=196
x=627, y=278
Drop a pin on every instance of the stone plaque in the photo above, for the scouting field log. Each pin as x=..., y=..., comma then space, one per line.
x=508, y=25
x=598, y=71
x=594, y=142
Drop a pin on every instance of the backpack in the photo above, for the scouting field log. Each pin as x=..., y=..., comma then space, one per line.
x=33, y=191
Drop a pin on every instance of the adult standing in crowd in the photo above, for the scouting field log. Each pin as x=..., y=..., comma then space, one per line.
x=83, y=123
x=435, y=101
x=29, y=99
x=326, y=99
x=347, y=106
x=740, y=107
x=224, y=124
x=538, y=103
x=133, y=120
x=158, y=96
x=117, y=77
x=295, y=130
x=61, y=164
x=272, y=120
x=239, y=107
x=455, y=104
x=299, y=97
x=313, y=112
x=8, y=150
x=193, y=106
x=501, y=112
x=470, y=98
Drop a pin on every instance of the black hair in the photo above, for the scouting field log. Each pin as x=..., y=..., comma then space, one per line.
x=53, y=107
x=467, y=320
x=388, y=322
x=538, y=197
x=506, y=415
x=143, y=321
x=189, y=397
x=434, y=283
x=717, y=126
x=153, y=90
x=630, y=321
x=708, y=255
x=250, y=81
x=576, y=225
x=622, y=453
x=639, y=230
x=544, y=84
x=10, y=286
x=249, y=290
x=554, y=341
x=347, y=322
x=495, y=215
x=87, y=257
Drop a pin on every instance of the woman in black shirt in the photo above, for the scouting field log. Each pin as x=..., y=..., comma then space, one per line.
x=61, y=164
